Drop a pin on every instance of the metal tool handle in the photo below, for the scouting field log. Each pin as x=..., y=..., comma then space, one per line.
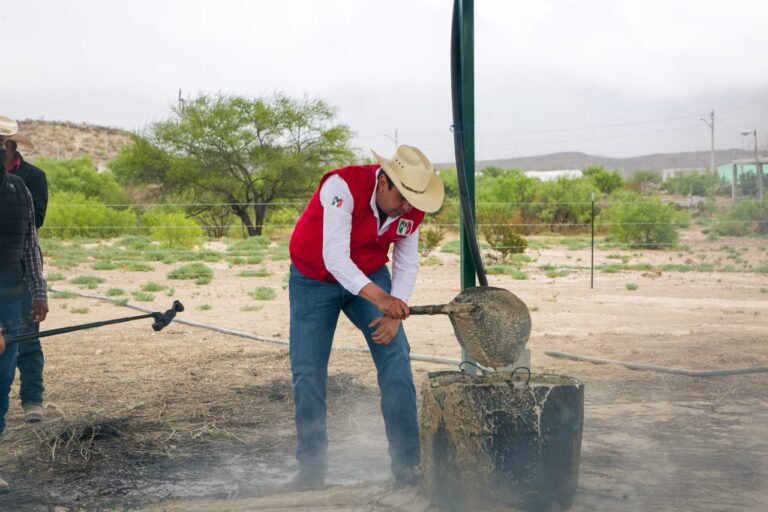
x=161, y=320
x=432, y=309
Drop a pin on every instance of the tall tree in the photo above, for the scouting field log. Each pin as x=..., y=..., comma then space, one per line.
x=245, y=153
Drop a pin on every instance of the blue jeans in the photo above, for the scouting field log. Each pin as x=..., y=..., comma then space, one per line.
x=30, y=360
x=10, y=313
x=315, y=308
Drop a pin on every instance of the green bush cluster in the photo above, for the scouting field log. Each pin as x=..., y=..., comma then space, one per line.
x=749, y=217
x=173, y=230
x=644, y=222
x=72, y=214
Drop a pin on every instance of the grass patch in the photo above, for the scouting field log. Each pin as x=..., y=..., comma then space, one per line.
x=54, y=276
x=507, y=270
x=204, y=307
x=64, y=295
x=104, y=265
x=533, y=309
x=255, y=259
x=556, y=273
x=120, y=302
x=432, y=261
x=79, y=311
x=153, y=287
x=143, y=296
x=89, y=282
x=251, y=307
x=113, y=292
x=631, y=286
x=249, y=245
x=763, y=290
x=263, y=293
x=136, y=266
x=196, y=271
x=259, y=272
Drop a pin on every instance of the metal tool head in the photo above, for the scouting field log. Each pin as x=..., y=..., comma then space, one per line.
x=163, y=319
x=492, y=324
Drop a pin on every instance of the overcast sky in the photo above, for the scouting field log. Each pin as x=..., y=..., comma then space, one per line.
x=608, y=77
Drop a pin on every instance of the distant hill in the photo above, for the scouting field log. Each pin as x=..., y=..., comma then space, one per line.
x=625, y=166
x=58, y=139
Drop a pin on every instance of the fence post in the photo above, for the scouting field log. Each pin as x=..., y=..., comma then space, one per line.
x=592, y=265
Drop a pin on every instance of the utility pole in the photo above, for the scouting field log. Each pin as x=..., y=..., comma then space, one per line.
x=711, y=124
x=393, y=139
x=758, y=167
x=181, y=102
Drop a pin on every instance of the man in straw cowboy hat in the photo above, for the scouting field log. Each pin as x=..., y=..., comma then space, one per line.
x=19, y=261
x=339, y=253
x=30, y=359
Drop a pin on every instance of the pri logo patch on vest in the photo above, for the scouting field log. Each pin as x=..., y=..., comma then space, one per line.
x=337, y=201
x=404, y=227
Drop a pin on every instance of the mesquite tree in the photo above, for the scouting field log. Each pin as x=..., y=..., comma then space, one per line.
x=242, y=152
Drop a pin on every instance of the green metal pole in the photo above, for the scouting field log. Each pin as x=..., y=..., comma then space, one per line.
x=464, y=22
x=467, y=79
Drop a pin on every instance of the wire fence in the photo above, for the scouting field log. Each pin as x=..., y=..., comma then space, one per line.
x=135, y=245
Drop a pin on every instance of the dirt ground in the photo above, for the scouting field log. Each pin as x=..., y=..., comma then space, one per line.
x=191, y=419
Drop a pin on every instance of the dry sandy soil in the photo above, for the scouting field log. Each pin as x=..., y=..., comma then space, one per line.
x=190, y=419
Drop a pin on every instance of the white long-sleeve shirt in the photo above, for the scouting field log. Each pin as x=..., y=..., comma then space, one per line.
x=337, y=227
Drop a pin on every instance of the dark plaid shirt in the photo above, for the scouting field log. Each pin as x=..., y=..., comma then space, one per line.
x=33, y=262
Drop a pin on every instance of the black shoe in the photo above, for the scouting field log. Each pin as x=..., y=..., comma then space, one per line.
x=305, y=480
x=407, y=475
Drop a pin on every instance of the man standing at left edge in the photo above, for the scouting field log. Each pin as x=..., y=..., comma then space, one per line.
x=30, y=359
x=19, y=260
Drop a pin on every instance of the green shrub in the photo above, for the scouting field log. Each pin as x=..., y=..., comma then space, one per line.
x=204, y=307
x=71, y=214
x=429, y=239
x=112, y=292
x=81, y=176
x=639, y=221
x=173, y=230
x=501, y=236
x=54, y=276
x=748, y=217
x=79, y=311
x=631, y=286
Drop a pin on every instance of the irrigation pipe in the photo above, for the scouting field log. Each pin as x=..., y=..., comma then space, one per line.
x=267, y=339
x=659, y=369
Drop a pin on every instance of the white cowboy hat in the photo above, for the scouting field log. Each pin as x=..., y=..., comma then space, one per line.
x=22, y=142
x=414, y=177
x=8, y=126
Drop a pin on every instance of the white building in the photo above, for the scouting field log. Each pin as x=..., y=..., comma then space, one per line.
x=570, y=174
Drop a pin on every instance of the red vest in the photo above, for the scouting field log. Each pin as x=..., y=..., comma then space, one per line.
x=368, y=250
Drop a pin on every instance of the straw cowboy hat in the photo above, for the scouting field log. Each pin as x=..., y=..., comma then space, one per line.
x=8, y=126
x=22, y=142
x=414, y=177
